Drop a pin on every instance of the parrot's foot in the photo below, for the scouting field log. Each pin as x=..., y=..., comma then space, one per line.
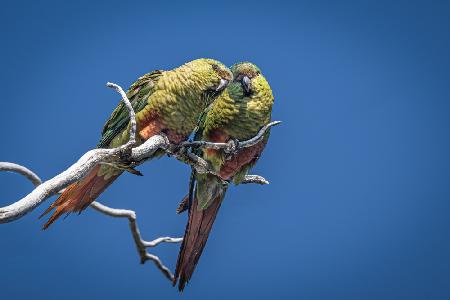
x=127, y=163
x=232, y=148
x=176, y=149
x=172, y=148
x=125, y=155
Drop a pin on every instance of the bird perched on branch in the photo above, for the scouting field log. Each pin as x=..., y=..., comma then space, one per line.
x=169, y=102
x=238, y=114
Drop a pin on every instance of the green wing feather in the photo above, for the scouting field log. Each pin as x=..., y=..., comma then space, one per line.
x=198, y=132
x=138, y=95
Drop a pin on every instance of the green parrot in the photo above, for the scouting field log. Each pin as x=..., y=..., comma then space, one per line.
x=169, y=102
x=238, y=114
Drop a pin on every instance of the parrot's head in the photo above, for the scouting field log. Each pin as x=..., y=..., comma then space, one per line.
x=244, y=74
x=212, y=75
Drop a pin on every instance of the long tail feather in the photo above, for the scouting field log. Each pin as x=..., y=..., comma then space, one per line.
x=78, y=195
x=195, y=238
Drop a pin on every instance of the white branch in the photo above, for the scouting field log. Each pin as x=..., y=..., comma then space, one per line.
x=74, y=173
x=230, y=146
x=141, y=245
x=254, y=179
x=126, y=101
x=86, y=163
x=181, y=152
x=257, y=138
x=7, y=166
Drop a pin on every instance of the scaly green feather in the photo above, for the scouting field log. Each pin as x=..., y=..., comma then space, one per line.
x=239, y=113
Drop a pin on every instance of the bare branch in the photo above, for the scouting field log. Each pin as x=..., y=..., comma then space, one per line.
x=7, y=166
x=181, y=153
x=141, y=245
x=230, y=147
x=74, y=173
x=86, y=163
x=254, y=179
x=198, y=163
x=126, y=101
x=257, y=138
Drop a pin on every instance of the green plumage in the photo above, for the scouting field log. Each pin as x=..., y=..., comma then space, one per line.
x=138, y=94
x=176, y=98
x=239, y=113
x=165, y=102
x=236, y=114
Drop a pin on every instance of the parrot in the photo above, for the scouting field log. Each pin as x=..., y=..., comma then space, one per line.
x=169, y=102
x=237, y=114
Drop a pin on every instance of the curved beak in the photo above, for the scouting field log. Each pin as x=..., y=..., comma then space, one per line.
x=246, y=83
x=223, y=84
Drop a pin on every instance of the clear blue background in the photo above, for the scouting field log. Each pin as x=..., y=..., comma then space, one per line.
x=358, y=205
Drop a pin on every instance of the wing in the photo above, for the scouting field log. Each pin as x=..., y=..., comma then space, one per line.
x=138, y=95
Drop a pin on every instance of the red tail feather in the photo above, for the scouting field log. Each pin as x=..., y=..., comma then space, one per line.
x=195, y=237
x=78, y=195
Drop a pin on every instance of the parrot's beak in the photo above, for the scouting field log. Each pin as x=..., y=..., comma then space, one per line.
x=246, y=84
x=223, y=84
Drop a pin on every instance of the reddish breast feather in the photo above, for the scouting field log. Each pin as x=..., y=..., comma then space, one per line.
x=152, y=125
x=239, y=160
x=149, y=125
x=150, y=129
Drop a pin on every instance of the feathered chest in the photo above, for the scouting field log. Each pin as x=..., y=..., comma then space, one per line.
x=176, y=103
x=239, y=118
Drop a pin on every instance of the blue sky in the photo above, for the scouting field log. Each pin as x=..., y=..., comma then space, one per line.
x=358, y=202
